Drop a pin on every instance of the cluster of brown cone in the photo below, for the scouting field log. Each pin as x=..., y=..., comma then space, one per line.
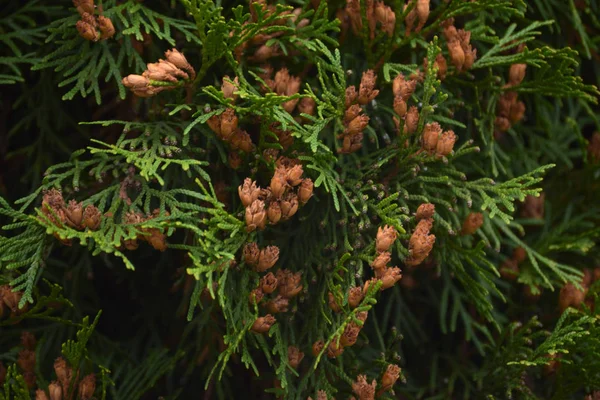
x=59, y=389
x=280, y=201
x=421, y=241
x=164, y=75
x=154, y=236
x=9, y=299
x=90, y=26
x=509, y=110
x=346, y=339
x=462, y=54
x=73, y=214
x=366, y=391
x=355, y=121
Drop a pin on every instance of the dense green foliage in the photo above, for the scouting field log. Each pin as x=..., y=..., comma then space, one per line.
x=149, y=287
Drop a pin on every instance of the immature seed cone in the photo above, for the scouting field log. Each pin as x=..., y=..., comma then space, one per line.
x=92, y=217
x=425, y=211
x=41, y=395
x=255, y=297
x=386, y=17
x=28, y=340
x=357, y=125
x=179, y=60
x=517, y=112
x=385, y=238
x=229, y=87
x=229, y=126
x=366, y=90
x=305, y=190
x=363, y=389
x=274, y=212
x=294, y=175
x=431, y=135
x=472, y=223
x=390, y=277
x=355, y=296
x=457, y=54
x=251, y=254
x=317, y=347
x=403, y=88
x=570, y=296
x=422, y=9
x=509, y=270
x=248, y=192
x=442, y=66
x=289, y=206
x=55, y=391
x=278, y=183
x=62, y=371
x=389, y=378
x=84, y=6
x=74, y=214
x=350, y=335
x=307, y=105
x=295, y=356
x=333, y=304
x=263, y=324
x=411, y=121
x=87, y=387
x=234, y=160
x=400, y=106
x=87, y=31
x=256, y=216
x=268, y=283
x=267, y=258
x=334, y=349
x=289, y=283
x=106, y=27
x=445, y=144
x=11, y=298
x=519, y=254
x=516, y=74
x=381, y=260
x=278, y=305
x=26, y=360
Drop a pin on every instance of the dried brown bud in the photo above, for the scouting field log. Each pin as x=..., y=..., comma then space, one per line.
x=411, y=120
x=278, y=305
x=251, y=253
x=289, y=206
x=389, y=378
x=425, y=211
x=295, y=356
x=28, y=340
x=390, y=277
x=255, y=297
x=305, y=190
x=381, y=260
x=84, y=6
x=421, y=243
x=333, y=303
x=248, y=192
x=74, y=214
x=278, y=183
x=87, y=31
x=40, y=395
x=274, y=212
x=263, y=324
x=516, y=74
x=106, y=27
x=472, y=223
x=178, y=59
x=228, y=124
x=385, y=238
x=268, y=283
x=256, y=216
x=92, y=217
x=350, y=335
x=317, y=347
x=289, y=283
x=410, y=20
x=533, y=207
x=366, y=90
x=403, y=88
x=267, y=258
x=445, y=144
x=357, y=125
x=363, y=389
x=431, y=134
x=87, y=387
x=355, y=296
x=442, y=66
x=229, y=87
x=351, y=143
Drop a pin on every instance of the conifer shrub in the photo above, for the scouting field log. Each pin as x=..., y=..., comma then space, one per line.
x=299, y=200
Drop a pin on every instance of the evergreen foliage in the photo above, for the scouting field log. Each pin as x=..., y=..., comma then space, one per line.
x=293, y=199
